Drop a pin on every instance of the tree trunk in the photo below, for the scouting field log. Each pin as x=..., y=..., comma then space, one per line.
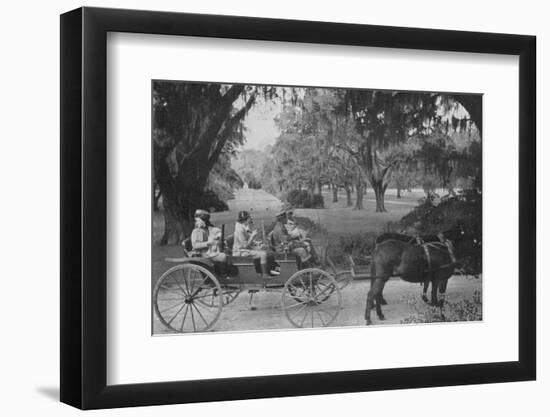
x=379, y=191
x=182, y=195
x=317, y=187
x=349, y=203
x=334, y=193
x=177, y=223
x=359, y=196
x=398, y=192
x=156, y=197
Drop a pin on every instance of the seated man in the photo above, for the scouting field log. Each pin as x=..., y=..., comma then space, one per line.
x=298, y=238
x=281, y=241
x=245, y=245
x=206, y=240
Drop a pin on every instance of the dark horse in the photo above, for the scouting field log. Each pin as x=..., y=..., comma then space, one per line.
x=428, y=259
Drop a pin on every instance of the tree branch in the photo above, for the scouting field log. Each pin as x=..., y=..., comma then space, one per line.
x=228, y=129
x=218, y=117
x=347, y=149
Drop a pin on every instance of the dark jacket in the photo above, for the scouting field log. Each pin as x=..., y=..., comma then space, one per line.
x=279, y=236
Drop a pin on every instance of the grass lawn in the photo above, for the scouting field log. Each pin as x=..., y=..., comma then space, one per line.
x=335, y=217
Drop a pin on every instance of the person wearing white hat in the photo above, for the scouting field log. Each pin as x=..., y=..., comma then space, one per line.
x=206, y=240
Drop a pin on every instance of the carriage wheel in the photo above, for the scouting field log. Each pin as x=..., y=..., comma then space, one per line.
x=229, y=294
x=311, y=298
x=178, y=299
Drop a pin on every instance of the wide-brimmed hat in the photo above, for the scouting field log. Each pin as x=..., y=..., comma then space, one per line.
x=286, y=212
x=201, y=212
x=283, y=211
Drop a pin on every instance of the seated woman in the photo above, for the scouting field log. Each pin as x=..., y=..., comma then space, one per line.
x=245, y=245
x=206, y=240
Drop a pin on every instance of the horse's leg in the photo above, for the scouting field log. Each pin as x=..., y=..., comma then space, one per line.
x=382, y=300
x=425, y=291
x=435, y=285
x=379, y=300
x=370, y=288
x=370, y=302
x=374, y=293
x=442, y=290
x=370, y=294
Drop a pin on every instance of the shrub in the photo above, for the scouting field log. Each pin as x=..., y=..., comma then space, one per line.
x=358, y=245
x=317, y=201
x=304, y=199
x=392, y=227
x=464, y=310
x=212, y=202
x=254, y=184
x=430, y=218
x=299, y=198
x=464, y=207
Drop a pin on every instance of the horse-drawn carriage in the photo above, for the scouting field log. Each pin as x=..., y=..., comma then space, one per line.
x=190, y=296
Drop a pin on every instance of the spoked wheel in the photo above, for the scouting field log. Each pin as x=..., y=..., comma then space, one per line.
x=179, y=299
x=229, y=294
x=311, y=298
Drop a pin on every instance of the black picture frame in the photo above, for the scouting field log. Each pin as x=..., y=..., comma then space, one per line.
x=84, y=207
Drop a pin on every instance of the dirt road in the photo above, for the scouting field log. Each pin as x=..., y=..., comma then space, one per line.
x=238, y=317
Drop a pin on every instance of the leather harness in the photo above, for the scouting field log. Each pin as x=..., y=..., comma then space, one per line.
x=443, y=242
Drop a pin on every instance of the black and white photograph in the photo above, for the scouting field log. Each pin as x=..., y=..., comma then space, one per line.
x=296, y=207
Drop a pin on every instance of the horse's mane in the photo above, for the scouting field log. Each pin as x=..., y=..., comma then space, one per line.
x=394, y=236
